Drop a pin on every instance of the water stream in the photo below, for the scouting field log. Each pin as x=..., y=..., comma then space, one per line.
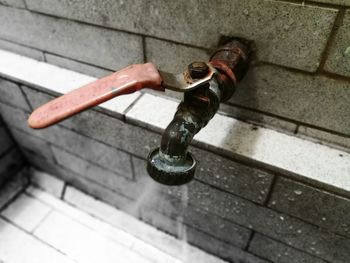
x=151, y=191
x=181, y=227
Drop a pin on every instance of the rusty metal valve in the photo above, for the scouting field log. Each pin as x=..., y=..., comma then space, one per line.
x=205, y=85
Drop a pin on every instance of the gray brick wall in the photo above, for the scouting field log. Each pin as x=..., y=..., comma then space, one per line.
x=238, y=211
x=299, y=83
x=300, y=46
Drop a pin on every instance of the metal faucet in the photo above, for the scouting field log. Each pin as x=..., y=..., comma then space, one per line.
x=205, y=85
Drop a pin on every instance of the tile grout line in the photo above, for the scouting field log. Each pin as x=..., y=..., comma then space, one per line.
x=330, y=41
x=63, y=192
x=20, y=86
x=51, y=210
x=131, y=105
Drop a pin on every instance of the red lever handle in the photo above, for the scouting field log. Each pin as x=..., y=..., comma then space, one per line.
x=125, y=81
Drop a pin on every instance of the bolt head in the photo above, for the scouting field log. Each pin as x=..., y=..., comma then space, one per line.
x=198, y=70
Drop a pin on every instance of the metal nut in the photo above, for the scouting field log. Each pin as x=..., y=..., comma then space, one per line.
x=198, y=70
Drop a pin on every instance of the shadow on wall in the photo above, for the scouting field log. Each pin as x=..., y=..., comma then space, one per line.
x=240, y=136
x=11, y=160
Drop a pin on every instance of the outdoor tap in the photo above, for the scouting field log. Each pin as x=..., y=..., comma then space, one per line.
x=172, y=164
x=204, y=84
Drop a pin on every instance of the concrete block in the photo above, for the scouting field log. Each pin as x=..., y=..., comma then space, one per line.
x=82, y=183
x=14, y=3
x=26, y=212
x=313, y=205
x=286, y=41
x=172, y=57
x=81, y=243
x=156, y=119
x=76, y=66
x=192, y=217
x=103, y=155
x=237, y=178
x=41, y=164
x=47, y=182
x=281, y=227
x=37, y=98
x=22, y=50
x=97, y=46
x=323, y=137
x=14, y=117
x=11, y=94
x=114, y=132
x=158, y=199
x=334, y=2
x=278, y=252
x=198, y=238
x=33, y=144
x=11, y=236
x=6, y=141
x=319, y=101
x=98, y=153
x=56, y=80
x=40, y=75
x=95, y=173
x=219, y=248
x=339, y=55
x=257, y=118
x=237, y=139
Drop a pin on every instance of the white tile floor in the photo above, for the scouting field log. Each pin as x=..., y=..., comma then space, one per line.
x=39, y=227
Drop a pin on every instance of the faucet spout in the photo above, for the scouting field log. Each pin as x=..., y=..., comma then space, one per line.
x=172, y=164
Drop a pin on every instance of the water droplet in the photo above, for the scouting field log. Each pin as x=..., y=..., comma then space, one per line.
x=299, y=231
x=298, y=192
x=273, y=202
x=291, y=199
x=282, y=218
x=324, y=219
